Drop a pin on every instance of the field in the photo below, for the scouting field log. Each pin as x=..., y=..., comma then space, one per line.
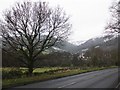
x=40, y=74
x=36, y=70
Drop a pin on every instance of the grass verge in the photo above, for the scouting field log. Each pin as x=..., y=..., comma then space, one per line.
x=7, y=83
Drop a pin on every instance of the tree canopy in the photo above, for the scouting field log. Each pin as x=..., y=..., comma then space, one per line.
x=32, y=27
x=114, y=24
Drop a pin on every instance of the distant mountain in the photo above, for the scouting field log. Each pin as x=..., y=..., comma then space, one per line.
x=106, y=42
x=78, y=42
x=67, y=46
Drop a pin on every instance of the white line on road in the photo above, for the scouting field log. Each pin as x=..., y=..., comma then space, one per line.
x=118, y=85
x=67, y=85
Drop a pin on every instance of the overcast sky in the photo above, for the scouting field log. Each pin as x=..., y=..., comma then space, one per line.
x=88, y=17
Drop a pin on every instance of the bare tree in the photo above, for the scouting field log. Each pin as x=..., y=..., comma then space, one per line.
x=30, y=28
x=114, y=24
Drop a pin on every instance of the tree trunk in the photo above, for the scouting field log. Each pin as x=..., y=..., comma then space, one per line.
x=30, y=69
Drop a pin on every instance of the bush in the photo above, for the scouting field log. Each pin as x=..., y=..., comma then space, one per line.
x=11, y=73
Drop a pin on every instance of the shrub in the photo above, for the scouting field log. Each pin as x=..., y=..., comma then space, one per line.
x=11, y=73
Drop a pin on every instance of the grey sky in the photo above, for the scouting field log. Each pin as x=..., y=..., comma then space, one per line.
x=88, y=17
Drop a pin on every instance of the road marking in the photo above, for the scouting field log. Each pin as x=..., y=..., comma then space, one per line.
x=118, y=85
x=67, y=85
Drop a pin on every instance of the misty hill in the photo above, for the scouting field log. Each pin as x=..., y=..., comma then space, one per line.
x=107, y=42
x=66, y=46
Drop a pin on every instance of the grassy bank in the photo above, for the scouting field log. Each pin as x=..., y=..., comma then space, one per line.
x=6, y=83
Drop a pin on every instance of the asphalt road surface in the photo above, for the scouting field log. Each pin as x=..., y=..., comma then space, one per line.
x=97, y=79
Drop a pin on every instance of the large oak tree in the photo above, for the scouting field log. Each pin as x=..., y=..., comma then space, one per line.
x=32, y=27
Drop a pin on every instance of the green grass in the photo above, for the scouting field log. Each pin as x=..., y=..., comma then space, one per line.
x=36, y=70
x=45, y=69
x=46, y=76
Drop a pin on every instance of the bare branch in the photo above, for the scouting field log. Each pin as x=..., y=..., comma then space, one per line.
x=114, y=24
x=31, y=28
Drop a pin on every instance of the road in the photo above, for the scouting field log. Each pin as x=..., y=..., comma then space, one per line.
x=97, y=79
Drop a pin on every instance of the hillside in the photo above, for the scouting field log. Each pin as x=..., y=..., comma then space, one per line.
x=106, y=42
